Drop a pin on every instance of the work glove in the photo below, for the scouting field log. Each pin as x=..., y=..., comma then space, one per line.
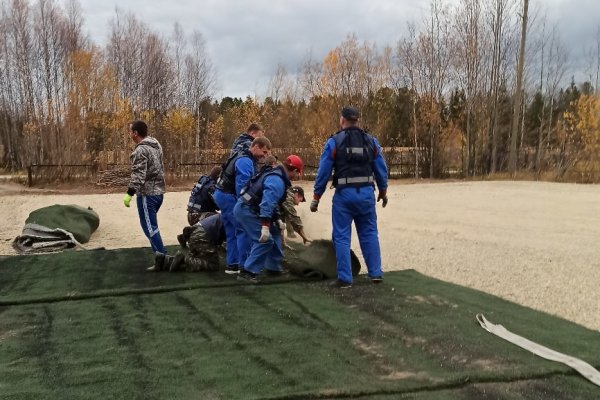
x=382, y=196
x=280, y=225
x=264, y=234
x=314, y=205
x=127, y=199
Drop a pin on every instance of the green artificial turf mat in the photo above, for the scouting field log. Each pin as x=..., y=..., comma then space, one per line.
x=410, y=337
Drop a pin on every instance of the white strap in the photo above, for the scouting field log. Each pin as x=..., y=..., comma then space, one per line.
x=355, y=150
x=578, y=365
x=358, y=179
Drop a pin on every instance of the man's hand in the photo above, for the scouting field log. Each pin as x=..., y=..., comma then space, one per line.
x=287, y=246
x=382, y=196
x=314, y=205
x=305, y=240
x=264, y=234
x=280, y=225
x=127, y=199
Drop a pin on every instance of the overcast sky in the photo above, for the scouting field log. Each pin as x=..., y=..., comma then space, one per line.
x=246, y=39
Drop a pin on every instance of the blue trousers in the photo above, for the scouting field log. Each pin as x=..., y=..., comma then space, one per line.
x=261, y=255
x=358, y=205
x=148, y=207
x=226, y=202
x=244, y=244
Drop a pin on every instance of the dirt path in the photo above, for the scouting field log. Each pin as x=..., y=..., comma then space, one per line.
x=532, y=243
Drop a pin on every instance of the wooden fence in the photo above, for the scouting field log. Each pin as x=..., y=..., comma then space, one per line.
x=401, y=164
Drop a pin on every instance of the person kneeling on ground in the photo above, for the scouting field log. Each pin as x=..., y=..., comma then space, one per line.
x=204, y=240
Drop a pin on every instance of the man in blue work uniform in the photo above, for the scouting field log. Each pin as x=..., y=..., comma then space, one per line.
x=355, y=158
x=237, y=171
x=257, y=212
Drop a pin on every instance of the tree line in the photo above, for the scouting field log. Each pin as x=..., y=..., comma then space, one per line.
x=444, y=94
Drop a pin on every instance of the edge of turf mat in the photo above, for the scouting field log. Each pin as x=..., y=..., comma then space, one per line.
x=207, y=336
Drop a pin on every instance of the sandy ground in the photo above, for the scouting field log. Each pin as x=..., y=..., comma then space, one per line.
x=528, y=242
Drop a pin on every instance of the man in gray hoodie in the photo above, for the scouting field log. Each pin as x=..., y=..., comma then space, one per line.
x=147, y=182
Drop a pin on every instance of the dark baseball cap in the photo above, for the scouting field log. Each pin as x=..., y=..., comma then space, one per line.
x=350, y=113
x=300, y=191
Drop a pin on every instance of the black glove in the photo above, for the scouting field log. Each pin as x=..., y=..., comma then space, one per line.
x=314, y=205
x=382, y=196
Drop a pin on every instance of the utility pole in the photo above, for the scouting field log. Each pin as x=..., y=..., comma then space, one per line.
x=512, y=156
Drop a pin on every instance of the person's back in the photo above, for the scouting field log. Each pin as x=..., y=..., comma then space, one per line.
x=213, y=226
x=244, y=140
x=355, y=159
x=201, y=202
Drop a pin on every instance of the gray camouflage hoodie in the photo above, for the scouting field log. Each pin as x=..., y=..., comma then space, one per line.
x=147, y=171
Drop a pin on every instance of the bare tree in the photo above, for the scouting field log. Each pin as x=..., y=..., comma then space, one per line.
x=470, y=51
x=310, y=77
x=434, y=45
x=408, y=71
x=278, y=83
x=512, y=158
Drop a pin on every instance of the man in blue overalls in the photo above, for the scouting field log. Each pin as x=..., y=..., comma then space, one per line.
x=237, y=171
x=257, y=212
x=357, y=164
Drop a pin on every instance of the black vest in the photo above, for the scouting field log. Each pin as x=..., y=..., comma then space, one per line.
x=252, y=193
x=226, y=181
x=201, y=199
x=353, y=164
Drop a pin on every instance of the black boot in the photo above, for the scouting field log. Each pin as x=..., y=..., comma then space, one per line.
x=182, y=241
x=159, y=262
x=178, y=262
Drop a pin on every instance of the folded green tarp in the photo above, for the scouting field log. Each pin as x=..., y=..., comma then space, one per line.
x=56, y=228
x=316, y=261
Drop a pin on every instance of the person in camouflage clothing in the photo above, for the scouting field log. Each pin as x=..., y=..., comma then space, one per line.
x=147, y=182
x=294, y=196
x=204, y=240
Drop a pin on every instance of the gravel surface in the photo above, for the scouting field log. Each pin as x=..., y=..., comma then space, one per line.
x=533, y=243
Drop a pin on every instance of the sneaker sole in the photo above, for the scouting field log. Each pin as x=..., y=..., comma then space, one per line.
x=230, y=272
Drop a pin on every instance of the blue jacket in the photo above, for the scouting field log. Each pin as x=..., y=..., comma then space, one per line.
x=213, y=226
x=266, y=191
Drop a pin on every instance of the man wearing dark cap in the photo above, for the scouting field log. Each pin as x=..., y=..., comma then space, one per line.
x=294, y=196
x=355, y=159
